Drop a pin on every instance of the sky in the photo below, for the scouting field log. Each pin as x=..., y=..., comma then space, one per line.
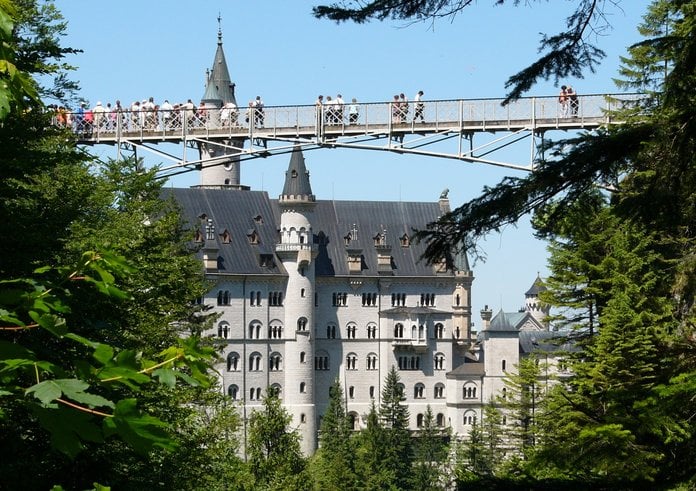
x=133, y=50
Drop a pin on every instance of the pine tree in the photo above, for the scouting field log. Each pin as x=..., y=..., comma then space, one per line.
x=334, y=462
x=373, y=471
x=480, y=454
x=273, y=448
x=394, y=417
x=430, y=454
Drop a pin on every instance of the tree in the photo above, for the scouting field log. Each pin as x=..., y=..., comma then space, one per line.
x=374, y=472
x=334, y=462
x=430, y=455
x=481, y=453
x=273, y=448
x=393, y=414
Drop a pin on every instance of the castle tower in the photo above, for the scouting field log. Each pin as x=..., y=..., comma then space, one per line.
x=501, y=352
x=219, y=91
x=533, y=304
x=297, y=252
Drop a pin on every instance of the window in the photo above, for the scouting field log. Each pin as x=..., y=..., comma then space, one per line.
x=440, y=419
x=439, y=391
x=255, y=362
x=372, y=361
x=233, y=362
x=302, y=324
x=504, y=393
x=354, y=420
x=352, y=361
x=255, y=298
x=276, y=389
x=275, y=299
x=223, y=297
x=427, y=300
x=419, y=420
x=303, y=418
x=266, y=260
x=254, y=330
x=398, y=300
x=331, y=331
x=409, y=362
x=369, y=299
x=439, y=361
x=303, y=357
x=351, y=392
x=470, y=392
x=233, y=391
x=303, y=388
x=419, y=391
x=275, y=362
x=255, y=394
x=275, y=331
x=372, y=391
x=223, y=330
x=439, y=331
x=405, y=240
x=469, y=418
x=350, y=331
x=321, y=361
x=399, y=331
x=339, y=299
x=372, y=331
x=503, y=364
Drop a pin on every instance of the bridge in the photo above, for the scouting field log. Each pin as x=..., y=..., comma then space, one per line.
x=248, y=133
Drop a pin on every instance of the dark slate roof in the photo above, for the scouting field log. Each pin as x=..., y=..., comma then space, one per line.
x=220, y=86
x=333, y=220
x=501, y=322
x=467, y=370
x=234, y=211
x=536, y=288
x=544, y=341
x=297, y=176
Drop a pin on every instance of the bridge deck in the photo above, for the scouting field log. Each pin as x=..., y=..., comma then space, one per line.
x=463, y=116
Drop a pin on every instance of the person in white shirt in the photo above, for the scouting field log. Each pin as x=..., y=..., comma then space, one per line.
x=167, y=111
x=419, y=107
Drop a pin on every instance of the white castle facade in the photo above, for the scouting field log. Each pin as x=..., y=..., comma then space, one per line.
x=310, y=291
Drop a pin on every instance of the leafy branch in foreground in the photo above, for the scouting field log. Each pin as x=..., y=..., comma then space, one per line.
x=81, y=390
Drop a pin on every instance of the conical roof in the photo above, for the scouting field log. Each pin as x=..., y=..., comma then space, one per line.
x=297, y=178
x=536, y=288
x=501, y=322
x=219, y=88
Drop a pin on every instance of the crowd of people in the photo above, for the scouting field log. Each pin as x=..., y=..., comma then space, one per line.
x=149, y=115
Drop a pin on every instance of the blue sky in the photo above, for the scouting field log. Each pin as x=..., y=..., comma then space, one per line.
x=277, y=49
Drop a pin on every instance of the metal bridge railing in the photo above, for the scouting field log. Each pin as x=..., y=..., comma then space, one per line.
x=377, y=117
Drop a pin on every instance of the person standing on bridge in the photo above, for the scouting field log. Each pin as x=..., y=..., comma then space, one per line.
x=419, y=107
x=563, y=101
x=353, y=111
x=259, y=114
x=573, y=102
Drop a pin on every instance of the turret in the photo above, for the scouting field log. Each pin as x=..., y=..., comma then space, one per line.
x=297, y=252
x=220, y=158
x=534, y=305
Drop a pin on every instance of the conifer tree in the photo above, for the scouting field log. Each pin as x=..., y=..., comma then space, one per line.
x=480, y=454
x=273, y=448
x=394, y=417
x=373, y=471
x=334, y=462
x=430, y=455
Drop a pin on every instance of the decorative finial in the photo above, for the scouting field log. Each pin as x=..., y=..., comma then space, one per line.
x=444, y=193
x=219, y=19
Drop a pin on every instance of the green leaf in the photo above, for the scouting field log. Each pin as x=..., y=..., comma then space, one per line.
x=74, y=389
x=52, y=323
x=166, y=376
x=142, y=431
x=68, y=428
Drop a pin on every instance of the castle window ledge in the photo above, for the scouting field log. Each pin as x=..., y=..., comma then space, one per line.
x=417, y=345
x=298, y=246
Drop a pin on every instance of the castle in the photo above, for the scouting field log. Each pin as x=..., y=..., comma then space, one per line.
x=310, y=291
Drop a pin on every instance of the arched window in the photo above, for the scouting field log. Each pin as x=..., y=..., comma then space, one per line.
x=233, y=362
x=354, y=420
x=372, y=361
x=351, y=392
x=399, y=330
x=303, y=387
x=223, y=330
x=469, y=391
x=440, y=419
x=233, y=391
x=419, y=420
x=469, y=418
x=302, y=324
x=439, y=331
x=439, y=391
x=321, y=360
x=303, y=357
x=275, y=362
x=421, y=332
x=372, y=331
x=255, y=330
x=255, y=362
x=276, y=389
x=331, y=331
x=414, y=330
x=439, y=361
x=351, y=361
x=350, y=330
x=419, y=391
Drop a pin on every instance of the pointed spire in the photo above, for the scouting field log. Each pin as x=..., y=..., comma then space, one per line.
x=219, y=88
x=297, y=184
x=537, y=287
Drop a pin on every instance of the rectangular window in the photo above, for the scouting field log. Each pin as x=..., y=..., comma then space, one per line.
x=339, y=299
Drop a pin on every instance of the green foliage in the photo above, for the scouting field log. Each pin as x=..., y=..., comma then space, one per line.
x=397, y=452
x=430, y=455
x=273, y=448
x=334, y=462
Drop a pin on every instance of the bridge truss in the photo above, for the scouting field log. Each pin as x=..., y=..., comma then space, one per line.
x=451, y=129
